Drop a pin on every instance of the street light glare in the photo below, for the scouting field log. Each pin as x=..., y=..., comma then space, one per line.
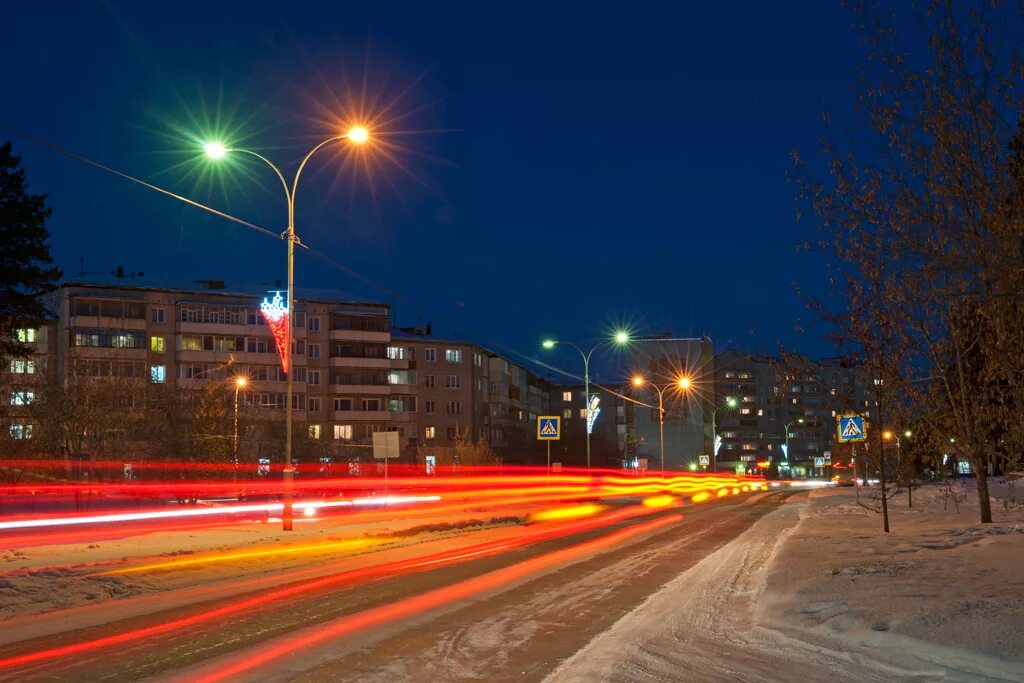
x=358, y=135
x=887, y=435
x=241, y=381
x=548, y=344
x=638, y=381
x=908, y=433
x=215, y=150
x=684, y=382
x=621, y=337
x=731, y=402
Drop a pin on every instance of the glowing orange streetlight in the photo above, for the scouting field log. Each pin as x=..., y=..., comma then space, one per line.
x=240, y=382
x=682, y=383
x=358, y=135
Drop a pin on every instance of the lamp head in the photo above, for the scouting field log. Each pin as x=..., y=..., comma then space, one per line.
x=731, y=402
x=638, y=381
x=684, y=382
x=241, y=381
x=358, y=135
x=621, y=337
x=548, y=343
x=215, y=150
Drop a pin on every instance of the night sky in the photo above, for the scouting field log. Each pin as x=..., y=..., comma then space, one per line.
x=557, y=169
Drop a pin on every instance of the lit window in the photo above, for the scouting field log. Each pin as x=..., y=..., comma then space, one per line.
x=22, y=398
x=430, y=355
x=760, y=412
x=749, y=447
x=453, y=355
x=21, y=430
x=21, y=366
x=156, y=344
x=25, y=335
x=567, y=413
x=567, y=396
x=430, y=432
x=343, y=432
x=158, y=374
x=583, y=412
x=744, y=411
x=314, y=431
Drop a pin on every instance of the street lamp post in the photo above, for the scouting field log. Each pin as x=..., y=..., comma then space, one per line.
x=682, y=384
x=799, y=420
x=619, y=338
x=240, y=382
x=357, y=135
x=730, y=402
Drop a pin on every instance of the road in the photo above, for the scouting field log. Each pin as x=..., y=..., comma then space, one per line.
x=513, y=615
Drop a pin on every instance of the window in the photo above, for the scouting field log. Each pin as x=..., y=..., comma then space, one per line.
x=343, y=404
x=567, y=396
x=300, y=319
x=399, y=353
x=454, y=407
x=300, y=375
x=760, y=412
x=429, y=432
x=158, y=374
x=156, y=344
x=429, y=407
x=583, y=413
x=191, y=343
x=314, y=350
x=314, y=377
x=343, y=432
x=749, y=447
x=257, y=345
x=453, y=355
x=21, y=366
x=371, y=404
x=315, y=405
x=453, y=382
x=21, y=430
x=430, y=355
x=22, y=398
x=314, y=431
x=449, y=433
x=567, y=413
x=25, y=335
x=314, y=323
x=744, y=411
x=428, y=381
x=156, y=315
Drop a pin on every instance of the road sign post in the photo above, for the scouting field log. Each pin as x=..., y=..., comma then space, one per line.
x=385, y=447
x=549, y=428
x=704, y=460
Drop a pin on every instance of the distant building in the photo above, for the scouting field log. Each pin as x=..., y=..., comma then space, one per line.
x=612, y=442
x=687, y=420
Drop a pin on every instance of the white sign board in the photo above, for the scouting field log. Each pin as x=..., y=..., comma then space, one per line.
x=385, y=445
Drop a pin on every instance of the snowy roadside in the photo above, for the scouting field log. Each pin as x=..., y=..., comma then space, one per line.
x=816, y=592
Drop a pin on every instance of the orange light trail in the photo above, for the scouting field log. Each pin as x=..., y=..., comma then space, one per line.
x=420, y=603
x=349, y=578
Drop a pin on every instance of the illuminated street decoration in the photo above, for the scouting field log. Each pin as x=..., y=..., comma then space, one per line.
x=592, y=412
x=275, y=312
x=718, y=443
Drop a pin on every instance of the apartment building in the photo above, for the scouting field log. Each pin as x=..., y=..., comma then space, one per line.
x=612, y=436
x=516, y=397
x=348, y=381
x=451, y=386
x=775, y=398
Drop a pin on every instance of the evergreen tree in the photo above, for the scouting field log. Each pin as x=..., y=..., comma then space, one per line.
x=25, y=263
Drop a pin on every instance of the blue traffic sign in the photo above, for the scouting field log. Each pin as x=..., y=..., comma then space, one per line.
x=819, y=462
x=549, y=427
x=851, y=428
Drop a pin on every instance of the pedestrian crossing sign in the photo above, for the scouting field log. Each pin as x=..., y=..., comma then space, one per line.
x=851, y=428
x=819, y=462
x=549, y=427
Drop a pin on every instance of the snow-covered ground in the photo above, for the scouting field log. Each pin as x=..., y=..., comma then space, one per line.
x=817, y=592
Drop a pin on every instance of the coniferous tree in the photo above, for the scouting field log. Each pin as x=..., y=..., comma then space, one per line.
x=26, y=267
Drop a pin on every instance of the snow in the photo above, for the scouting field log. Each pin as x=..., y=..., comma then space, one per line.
x=816, y=591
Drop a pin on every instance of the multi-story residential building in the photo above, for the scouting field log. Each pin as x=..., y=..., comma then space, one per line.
x=612, y=441
x=687, y=418
x=775, y=398
x=348, y=380
x=451, y=385
x=517, y=396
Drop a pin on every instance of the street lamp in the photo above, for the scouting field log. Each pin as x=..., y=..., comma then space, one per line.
x=799, y=420
x=357, y=135
x=621, y=337
x=240, y=383
x=681, y=384
x=730, y=403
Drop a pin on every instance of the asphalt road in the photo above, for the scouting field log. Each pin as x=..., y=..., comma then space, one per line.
x=516, y=631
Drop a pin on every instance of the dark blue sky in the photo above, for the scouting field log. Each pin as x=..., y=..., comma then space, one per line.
x=588, y=165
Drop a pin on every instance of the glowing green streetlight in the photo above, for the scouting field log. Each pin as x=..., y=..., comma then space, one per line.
x=731, y=402
x=908, y=433
x=621, y=337
x=549, y=343
x=215, y=150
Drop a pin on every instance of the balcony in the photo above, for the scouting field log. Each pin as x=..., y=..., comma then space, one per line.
x=360, y=336
x=107, y=323
x=361, y=362
x=360, y=415
x=362, y=389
